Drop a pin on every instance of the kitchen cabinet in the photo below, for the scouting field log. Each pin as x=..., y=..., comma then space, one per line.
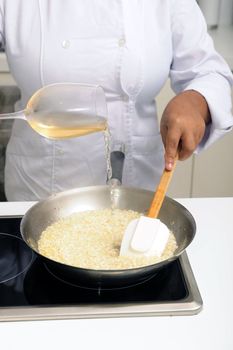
x=9, y=94
x=6, y=78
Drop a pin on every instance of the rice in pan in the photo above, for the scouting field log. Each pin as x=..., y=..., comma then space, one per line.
x=92, y=239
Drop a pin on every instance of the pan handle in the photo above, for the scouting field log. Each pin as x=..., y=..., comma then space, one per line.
x=117, y=163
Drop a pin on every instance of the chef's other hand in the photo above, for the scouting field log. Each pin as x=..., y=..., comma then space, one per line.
x=183, y=125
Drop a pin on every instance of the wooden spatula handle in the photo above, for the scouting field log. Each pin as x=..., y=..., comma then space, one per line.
x=161, y=192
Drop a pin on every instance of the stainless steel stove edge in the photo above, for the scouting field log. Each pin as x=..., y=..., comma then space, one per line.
x=191, y=305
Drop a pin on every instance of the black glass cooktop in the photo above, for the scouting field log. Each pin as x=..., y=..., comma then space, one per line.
x=25, y=281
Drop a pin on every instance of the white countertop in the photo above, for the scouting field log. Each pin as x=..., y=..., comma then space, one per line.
x=211, y=258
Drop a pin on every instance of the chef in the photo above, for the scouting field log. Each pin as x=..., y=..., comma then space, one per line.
x=130, y=48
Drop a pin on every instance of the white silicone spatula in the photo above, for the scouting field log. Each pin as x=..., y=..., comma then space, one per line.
x=147, y=235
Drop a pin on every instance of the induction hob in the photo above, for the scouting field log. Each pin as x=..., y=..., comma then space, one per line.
x=28, y=291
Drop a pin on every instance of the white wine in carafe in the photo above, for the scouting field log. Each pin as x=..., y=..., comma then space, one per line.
x=65, y=110
x=63, y=125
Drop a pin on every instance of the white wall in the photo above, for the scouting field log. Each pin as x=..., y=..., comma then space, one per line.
x=226, y=13
x=209, y=8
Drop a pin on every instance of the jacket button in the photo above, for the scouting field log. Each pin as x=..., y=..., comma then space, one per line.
x=121, y=42
x=66, y=44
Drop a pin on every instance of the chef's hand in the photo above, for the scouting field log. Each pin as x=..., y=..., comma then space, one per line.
x=183, y=125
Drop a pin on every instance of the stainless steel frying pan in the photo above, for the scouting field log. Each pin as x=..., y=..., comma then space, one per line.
x=58, y=206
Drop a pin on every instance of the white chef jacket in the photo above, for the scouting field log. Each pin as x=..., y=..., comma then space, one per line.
x=130, y=48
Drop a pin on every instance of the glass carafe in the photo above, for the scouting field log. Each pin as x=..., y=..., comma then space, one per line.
x=65, y=110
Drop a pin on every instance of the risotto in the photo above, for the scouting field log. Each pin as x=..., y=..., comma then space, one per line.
x=92, y=239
